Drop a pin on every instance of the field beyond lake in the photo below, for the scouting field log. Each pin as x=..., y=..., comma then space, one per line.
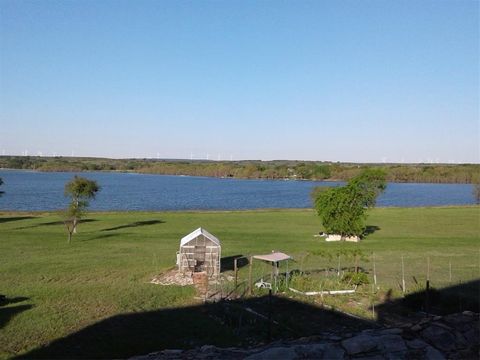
x=58, y=291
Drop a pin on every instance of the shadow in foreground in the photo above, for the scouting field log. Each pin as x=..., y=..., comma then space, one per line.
x=238, y=323
x=453, y=299
x=226, y=323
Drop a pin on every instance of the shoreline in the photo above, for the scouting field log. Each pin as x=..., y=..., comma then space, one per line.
x=334, y=180
x=212, y=211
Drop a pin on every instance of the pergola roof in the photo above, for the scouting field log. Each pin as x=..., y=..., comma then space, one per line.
x=186, y=239
x=273, y=257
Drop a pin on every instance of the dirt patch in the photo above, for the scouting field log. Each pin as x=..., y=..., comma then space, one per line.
x=173, y=277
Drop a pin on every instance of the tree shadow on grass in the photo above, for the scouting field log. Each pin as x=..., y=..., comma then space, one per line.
x=370, y=229
x=59, y=222
x=15, y=218
x=8, y=313
x=52, y=223
x=98, y=237
x=135, y=224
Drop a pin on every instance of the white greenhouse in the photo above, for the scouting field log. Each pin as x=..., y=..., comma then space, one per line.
x=200, y=251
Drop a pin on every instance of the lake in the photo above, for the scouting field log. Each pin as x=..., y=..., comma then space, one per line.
x=33, y=191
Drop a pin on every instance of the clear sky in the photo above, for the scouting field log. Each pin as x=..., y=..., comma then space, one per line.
x=364, y=81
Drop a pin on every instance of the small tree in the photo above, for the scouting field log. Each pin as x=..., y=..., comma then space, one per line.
x=80, y=191
x=342, y=210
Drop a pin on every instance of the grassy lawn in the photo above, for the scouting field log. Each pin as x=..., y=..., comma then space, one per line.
x=58, y=288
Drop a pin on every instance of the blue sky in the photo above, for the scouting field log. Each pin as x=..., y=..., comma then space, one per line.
x=364, y=81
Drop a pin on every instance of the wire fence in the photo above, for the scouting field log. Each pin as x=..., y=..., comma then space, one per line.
x=402, y=274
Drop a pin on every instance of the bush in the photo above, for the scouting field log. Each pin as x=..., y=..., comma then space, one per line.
x=355, y=278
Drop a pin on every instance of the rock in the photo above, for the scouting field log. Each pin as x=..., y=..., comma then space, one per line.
x=206, y=348
x=434, y=340
x=459, y=321
x=392, y=331
x=402, y=355
x=391, y=343
x=335, y=338
x=437, y=318
x=352, y=238
x=311, y=351
x=472, y=336
x=333, y=351
x=286, y=353
x=439, y=337
x=371, y=357
x=433, y=354
x=333, y=237
x=460, y=340
x=416, y=328
x=359, y=344
x=417, y=344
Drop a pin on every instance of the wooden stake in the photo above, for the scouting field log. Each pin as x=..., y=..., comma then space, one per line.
x=373, y=309
x=428, y=268
x=374, y=271
x=250, y=284
x=403, y=276
x=450, y=271
x=236, y=272
x=338, y=273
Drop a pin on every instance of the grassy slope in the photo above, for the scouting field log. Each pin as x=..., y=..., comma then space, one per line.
x=106, y=269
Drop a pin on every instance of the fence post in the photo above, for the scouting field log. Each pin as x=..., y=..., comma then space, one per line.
x=269, y=334
x=427, y=288
x=235, y=268
x=450, y=271
x=250, y=285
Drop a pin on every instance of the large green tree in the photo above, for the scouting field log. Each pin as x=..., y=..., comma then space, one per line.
x=80, y=190
x=343, y=210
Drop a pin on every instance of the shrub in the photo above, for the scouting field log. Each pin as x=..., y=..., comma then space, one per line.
x=355, y=278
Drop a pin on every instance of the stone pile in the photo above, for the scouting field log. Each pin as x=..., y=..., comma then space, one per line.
x=454, y=336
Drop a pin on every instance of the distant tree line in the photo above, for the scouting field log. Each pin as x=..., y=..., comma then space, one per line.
x=292, y=170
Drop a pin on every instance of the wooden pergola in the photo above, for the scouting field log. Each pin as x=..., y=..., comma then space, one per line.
x=275, y=257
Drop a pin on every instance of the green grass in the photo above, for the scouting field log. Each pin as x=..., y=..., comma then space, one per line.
x=106, y=269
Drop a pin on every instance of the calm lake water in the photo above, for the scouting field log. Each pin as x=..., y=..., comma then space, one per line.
x=31, y=191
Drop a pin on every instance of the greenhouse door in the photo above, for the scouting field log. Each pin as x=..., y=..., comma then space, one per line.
x=200, y=257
